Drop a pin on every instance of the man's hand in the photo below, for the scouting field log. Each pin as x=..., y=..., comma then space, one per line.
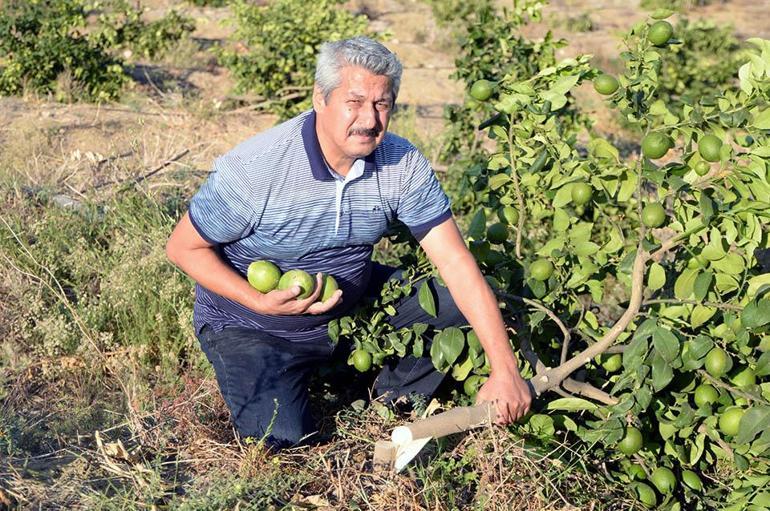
x=284, y=302
x=509, y=392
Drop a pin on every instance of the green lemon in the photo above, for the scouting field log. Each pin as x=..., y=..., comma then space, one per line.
x=655, y=145
x=635, y=471
x=702, y=168
x=541, y=269
x=299, y=278
x=705, y=394
x=646, y=495
x=612, y=363
x=497, y=233
x=730, y=420
x=663, y=479
x=745, y=378
x=631, y=442
x=581, y=193
x=710, y=148
x=473, y=383
x=329, y=287
x=718, y=362
x=653, y=215
x=692, y=480
x=362, y=360
x=606, y=84
x=660, y=32
x=263, y=276
x=508, y=215
x=482, y=90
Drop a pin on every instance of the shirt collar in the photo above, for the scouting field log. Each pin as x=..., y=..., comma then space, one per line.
x=315, y=156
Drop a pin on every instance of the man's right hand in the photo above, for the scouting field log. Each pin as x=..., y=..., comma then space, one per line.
x=284, y=302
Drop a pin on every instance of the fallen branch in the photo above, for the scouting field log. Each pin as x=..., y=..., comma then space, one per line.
x=151, y=173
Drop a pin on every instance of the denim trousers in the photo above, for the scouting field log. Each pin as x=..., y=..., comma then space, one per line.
x=264, y=379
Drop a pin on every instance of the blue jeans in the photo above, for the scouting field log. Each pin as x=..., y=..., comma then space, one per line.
x=264, y=379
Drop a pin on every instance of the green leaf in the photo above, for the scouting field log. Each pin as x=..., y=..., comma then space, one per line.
x=656, y=278
x=478, y=225
x=600, y=148
x=586, y=248
x=706, y=207
x=662, y=373
x=702, y=285
x=757, y=284
x=461, y=371
x=756, y=313
x=498, y=180
x=451, y=342
x=762, y=120
x=685, y=284
x=701, y=314
x=666, y=344
x=697, y=349
x=425, y=298
x=754, y=421
x=763, y=365
x=571, y=404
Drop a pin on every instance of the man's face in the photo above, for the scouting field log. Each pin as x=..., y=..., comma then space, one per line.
x=353, y=121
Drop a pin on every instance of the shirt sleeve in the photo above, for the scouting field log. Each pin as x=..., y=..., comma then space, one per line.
x=223, y=210
x=423, y=203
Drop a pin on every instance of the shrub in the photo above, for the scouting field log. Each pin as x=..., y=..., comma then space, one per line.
x=274, y=48
x=70, y=47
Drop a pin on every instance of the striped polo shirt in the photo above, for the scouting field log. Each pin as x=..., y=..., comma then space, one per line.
x=274, y=198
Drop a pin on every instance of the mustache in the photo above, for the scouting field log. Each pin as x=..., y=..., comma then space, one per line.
x=367, y=132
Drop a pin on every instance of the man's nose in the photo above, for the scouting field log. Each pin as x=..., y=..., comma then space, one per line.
x=367, y=117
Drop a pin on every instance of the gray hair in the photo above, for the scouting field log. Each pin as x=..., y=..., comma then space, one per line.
x=357, y=51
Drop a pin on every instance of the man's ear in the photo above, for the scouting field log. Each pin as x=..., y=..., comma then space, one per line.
x=318, y=99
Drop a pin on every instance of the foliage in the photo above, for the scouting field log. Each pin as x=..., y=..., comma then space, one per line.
x=55, y=47
x=451, y=12
x=706, y=61
x=680, y=291
x=274, y=48
x=679, y=5
x=494, y=49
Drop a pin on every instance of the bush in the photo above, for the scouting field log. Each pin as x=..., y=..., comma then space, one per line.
x=56, y=46
x=41, y=41
x=274, y=48
x=706, y=61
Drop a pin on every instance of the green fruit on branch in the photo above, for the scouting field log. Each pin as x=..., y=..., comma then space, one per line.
x=692, y=480
x=631, y=442
x=263, y=276
x=299, y=278
x=702, y=168
x=541, y=270
x=482, y=90
x=745, y=378
x=646, y=495
x=660, y=32
x=497, y=233
x=653, y=215
x=655, y=145
x=705, y=395
x=613, y=362
x=581, y=193
x=710, y=148
x=730, y=420
x=508, y=215
x=606, y=84
x=663, y=479
x=362, y=360
x=718, y=362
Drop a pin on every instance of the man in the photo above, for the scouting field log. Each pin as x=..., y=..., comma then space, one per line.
x=317, y=192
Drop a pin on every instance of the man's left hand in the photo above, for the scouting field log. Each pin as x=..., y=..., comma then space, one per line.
x=509, y=392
